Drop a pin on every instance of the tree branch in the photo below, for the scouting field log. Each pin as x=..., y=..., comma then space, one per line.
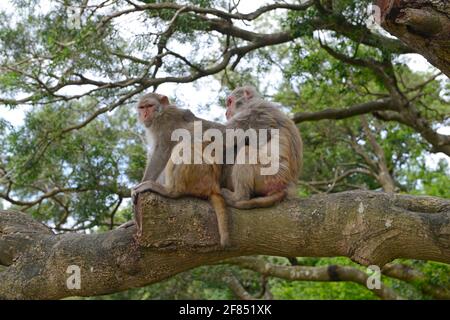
x=306, y=273
x=383, y=175
x=407, y=273
x=358, y=109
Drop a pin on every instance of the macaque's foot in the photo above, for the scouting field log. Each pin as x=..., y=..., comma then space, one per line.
x=126, y=225
x=153, y=187
x=134, y=195
x=228, y=196
x=226, y=193
x=141, y=187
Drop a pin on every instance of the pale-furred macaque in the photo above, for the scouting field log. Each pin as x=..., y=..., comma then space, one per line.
x=201, y=180
x=246, y=109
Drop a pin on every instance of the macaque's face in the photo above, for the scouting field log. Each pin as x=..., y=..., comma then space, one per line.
x=149, y=106
x=231, y=107
x=236, y=101
x=147, y=109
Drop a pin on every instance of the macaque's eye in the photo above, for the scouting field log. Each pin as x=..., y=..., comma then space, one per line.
x=146, y=106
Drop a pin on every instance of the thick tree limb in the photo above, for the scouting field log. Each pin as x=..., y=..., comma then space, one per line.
x=423, y=25
x=177, y=235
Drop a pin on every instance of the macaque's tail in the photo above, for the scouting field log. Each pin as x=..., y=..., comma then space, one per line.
x=261, y=202
x=219, y=206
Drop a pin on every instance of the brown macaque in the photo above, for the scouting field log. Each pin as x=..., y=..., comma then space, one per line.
x=158, y=128
x=251, y=189
x=160, y=119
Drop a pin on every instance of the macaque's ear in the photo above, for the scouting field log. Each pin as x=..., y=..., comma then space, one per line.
x=164, y=101
x=248, y=94
x=229, y=101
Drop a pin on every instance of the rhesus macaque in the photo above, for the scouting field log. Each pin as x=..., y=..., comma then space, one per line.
x=247, y=110
x=199, y=180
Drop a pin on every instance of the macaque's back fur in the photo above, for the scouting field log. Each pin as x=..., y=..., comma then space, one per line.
x=261, y=114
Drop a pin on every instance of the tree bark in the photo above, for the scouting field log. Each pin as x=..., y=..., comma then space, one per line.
x=176, y=235
x=423, y=25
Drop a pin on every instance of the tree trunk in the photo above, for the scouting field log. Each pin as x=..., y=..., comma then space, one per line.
x=177, y=235
x=423, y=25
